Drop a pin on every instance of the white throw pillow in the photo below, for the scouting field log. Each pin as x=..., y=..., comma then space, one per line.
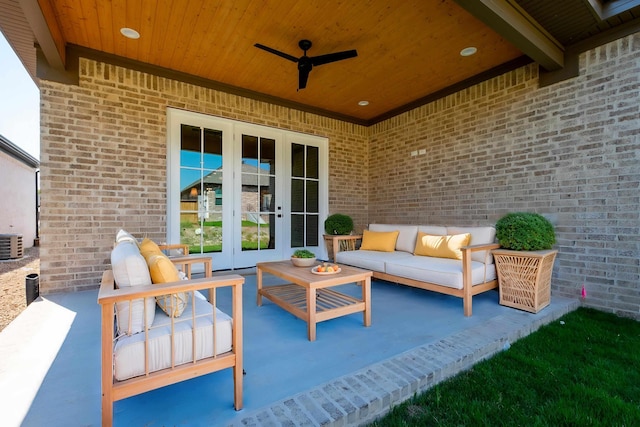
x=130, y=269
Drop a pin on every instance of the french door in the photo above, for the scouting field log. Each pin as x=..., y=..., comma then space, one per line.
x=243, y=193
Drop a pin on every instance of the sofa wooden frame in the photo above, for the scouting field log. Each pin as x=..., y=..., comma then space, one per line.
x=108, y=296
x=468, y=289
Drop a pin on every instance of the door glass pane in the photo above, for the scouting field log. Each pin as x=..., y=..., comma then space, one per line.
x=297, y=160
x=297, y=195
x=258, y=188
x=297, y=231
x=268, y=155
x=305, y=198
x=312, y=197
x=312, y=162
x=312, y=230
x=201, y=189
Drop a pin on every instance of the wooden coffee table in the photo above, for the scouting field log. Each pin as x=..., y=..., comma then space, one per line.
x=308, y=296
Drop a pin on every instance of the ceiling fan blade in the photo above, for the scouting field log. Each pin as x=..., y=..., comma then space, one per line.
x=303, y=76
x=276, y=52
x=333, y=57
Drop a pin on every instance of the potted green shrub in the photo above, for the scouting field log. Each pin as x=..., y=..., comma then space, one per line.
x=303, y=258
x=338, y=224
x=525, y=260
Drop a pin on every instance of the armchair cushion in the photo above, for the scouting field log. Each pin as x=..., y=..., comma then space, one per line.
x=130, y=269
x=210, y=335
x=123, y=235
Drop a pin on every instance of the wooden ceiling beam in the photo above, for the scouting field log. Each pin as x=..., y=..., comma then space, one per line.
x=43, y=23
x=515, y=25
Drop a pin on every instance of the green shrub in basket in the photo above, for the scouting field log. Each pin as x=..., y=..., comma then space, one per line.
x=338, y=224
x=525, y=231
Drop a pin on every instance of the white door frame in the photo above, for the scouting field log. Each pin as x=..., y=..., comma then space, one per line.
x=232, y=134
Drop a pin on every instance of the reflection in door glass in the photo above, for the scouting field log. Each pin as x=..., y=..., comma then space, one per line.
x=201, y=189
x=304, y=195
x=258, y=188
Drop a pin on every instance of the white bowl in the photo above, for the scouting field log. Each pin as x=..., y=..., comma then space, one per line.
x=303, y=262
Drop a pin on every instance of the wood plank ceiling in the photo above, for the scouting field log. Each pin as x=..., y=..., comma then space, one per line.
x=407, y=50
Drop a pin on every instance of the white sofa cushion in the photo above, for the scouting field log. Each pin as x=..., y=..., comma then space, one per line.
x=369, y=260
x=130, y=269
x=479, y=236
x=441, y=271
x=435, y=230
x=406, y=239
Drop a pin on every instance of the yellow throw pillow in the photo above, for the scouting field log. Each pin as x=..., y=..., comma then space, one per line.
x=162, y=270
x=147, y=248
x=383, y=241
x=441, y=246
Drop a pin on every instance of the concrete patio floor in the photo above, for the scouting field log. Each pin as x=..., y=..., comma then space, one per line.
x=50, y=361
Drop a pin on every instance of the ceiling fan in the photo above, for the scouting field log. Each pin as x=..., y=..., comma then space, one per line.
x=306, y=63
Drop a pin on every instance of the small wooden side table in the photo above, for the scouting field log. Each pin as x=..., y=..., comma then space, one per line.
x=340, y=242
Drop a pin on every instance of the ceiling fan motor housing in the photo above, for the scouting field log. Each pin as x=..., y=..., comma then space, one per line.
x=305, y=45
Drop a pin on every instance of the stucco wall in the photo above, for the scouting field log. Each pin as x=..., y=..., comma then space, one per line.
x=103, y=162
x=570, y=151
x=18, y=198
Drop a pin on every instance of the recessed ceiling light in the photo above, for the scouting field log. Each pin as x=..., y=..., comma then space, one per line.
x=363, y=103
x=468, y=51
x=130, y=33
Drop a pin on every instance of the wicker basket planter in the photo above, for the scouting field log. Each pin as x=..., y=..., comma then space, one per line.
x=524, y=278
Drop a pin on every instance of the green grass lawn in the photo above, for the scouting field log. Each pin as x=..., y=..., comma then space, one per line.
x=211, y=233
x=581, y=370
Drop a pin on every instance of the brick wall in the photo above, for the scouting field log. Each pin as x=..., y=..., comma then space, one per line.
x=103, y=162
x=570, y=151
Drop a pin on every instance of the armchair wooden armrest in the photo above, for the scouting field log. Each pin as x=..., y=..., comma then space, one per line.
x=178, y=246
x=187, y=261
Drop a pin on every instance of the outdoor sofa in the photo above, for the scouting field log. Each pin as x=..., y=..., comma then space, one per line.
x=158, y=328
x=451, y=260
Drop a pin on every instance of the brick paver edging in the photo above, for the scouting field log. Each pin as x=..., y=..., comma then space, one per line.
x=366, y=395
